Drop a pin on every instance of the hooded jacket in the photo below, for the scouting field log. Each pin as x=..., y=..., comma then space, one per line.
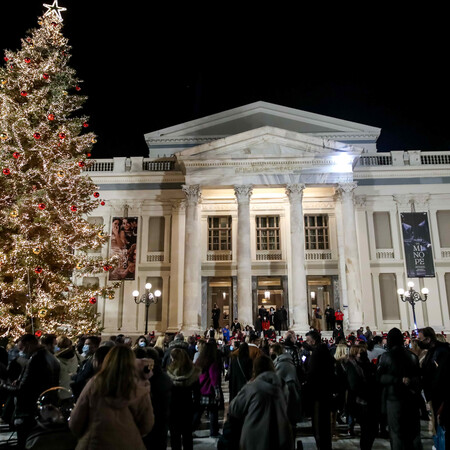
x=112, y=423
x=68, y=361
x=261, y=407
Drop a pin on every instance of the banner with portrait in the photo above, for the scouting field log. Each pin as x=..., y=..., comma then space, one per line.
x=123, y=244
x=417, y=245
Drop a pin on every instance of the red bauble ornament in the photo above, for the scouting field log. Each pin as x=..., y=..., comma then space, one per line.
x=24, y=93
x=38, y=269
x=96, y=194
x=6, y=58
x=88, y=155
x=51, y=117
x=6, y=171
x=16, y=155
x=27, y=60
x=81, y=164
x=54, y=24
x=45, y=76
x=92, y=300
x=73, y=208
x=77, y=88
x=38, y=333
x=106, y=267
x=62, y=135
x=37, y=135
x=85, y=124
x=41, y=206
x=102, y=203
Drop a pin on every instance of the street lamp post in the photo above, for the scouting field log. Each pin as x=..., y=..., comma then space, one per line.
x=147, y=298
x=412, y=296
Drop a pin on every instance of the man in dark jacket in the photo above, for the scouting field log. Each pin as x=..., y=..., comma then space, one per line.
x=86, y=369
x=399, y=374
x=437, y=354
x=319, y=386
x=40, y=374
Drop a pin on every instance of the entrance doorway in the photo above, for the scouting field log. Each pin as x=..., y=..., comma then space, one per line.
x=270, y=295
x=320, y=295
x=219, y=290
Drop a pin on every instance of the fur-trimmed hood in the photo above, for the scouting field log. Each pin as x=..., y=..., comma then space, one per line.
x=184, y=379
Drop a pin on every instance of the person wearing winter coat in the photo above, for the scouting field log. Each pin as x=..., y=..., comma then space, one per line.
x=210, y=387
x=261, y=408
x=185, y=379
x=287, y=372
x=240, y=369
x=114, y=409
x=68, y=362
x=398, y=372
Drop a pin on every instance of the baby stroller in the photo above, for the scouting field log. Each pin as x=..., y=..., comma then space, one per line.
x=52, y=430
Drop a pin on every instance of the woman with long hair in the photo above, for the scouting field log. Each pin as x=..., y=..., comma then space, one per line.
x=114, y=409
x=184, y=376
x=240, y=372
x=210, y=380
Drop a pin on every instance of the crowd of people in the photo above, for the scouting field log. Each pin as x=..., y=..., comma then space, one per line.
x=138, y=393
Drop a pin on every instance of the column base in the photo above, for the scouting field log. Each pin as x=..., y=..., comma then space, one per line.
x=189, y=330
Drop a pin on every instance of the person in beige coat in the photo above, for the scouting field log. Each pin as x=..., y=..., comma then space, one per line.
x=114, y=409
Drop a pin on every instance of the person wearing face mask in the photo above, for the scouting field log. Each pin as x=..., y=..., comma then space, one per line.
x=398, y=372
x=141, y=342
x=40, y=374
x=361, y=398
x=85, y=370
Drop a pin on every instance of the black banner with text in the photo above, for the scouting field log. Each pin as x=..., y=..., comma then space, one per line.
x=417, y=244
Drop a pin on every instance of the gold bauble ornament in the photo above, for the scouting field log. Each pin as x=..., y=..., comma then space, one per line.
x=3, y=136
x=79, y=266
x=14, y=213
x=43, y=312
x=111, y=296
x=60, y=173
x=37, y=250
x=101, y=234
x=94, y=141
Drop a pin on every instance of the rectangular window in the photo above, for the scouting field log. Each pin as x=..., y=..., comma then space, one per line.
x=267, y=232
x=219, y=233
x=389, y=298
x=382, y=228
x=443, y=220
x=316, y=232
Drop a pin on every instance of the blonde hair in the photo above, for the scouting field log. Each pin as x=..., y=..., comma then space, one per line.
x=117, y=377
x=341, y=351
x=160, y=342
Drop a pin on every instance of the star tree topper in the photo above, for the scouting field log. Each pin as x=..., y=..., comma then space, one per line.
x=54, y=9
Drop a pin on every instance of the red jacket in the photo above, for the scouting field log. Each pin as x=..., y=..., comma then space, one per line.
x=339, y=315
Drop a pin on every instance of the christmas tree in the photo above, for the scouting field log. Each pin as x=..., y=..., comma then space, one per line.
x=45, y=196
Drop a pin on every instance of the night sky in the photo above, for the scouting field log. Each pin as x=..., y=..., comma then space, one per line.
x=148, y=66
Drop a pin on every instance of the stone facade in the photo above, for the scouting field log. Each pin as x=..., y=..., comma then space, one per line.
x=221, y=201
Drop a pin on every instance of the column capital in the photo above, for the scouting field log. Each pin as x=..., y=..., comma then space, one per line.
x=347, y=187
x=243, y=192
x=295, y=190
x=192, y=192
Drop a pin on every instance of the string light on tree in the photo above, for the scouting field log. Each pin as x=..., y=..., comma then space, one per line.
x=42, y=162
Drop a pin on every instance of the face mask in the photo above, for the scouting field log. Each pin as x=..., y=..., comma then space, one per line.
x=56, y=349
x=142, y=344
x=231, y=347
x=196, y=347
x=85, y=348
x=22, y=354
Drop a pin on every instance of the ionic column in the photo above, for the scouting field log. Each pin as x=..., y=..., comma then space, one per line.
x=298, y=300
x=192, y=298
x=352, y=270
x=244, y=256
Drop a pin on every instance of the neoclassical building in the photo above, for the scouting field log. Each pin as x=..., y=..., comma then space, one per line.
x=268, y=205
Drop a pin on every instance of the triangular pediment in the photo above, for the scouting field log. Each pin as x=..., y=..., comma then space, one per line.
x=255, y=116
x=267, y=143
